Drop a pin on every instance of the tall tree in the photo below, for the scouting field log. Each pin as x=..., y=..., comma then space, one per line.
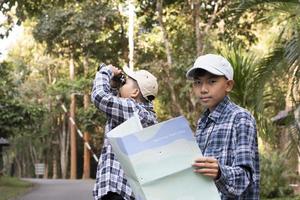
x=66, y=33
x=86, y=104
x=169, y=65
x=131, y=17
x=285, y=56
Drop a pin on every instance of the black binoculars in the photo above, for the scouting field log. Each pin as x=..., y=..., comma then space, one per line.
x=119, y=80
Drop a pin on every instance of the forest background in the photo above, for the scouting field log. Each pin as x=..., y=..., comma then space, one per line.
x=46, y=78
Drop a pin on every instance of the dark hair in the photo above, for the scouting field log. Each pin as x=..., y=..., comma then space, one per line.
x=150, y=97
x=199, y=72
x=203, y=72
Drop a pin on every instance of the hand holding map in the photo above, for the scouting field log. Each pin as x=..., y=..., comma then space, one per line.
x=157, y=160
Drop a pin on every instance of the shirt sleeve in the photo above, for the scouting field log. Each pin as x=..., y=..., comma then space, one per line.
x=235, y=179
x=105, y=99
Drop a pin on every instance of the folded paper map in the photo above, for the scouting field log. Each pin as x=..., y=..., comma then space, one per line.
x=157, y=160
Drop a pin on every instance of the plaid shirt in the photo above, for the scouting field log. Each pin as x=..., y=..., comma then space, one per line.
x=110, y=176
x=229, y=134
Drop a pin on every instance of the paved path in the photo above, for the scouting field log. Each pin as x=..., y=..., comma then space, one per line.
x=49, y=189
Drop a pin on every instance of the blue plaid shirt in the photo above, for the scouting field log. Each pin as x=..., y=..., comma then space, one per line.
x=229, y=134
x=110, y=176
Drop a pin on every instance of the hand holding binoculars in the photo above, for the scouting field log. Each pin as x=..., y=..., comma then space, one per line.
x=118, y=79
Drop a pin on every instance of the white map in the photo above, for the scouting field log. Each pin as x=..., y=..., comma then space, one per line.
x=158, y=160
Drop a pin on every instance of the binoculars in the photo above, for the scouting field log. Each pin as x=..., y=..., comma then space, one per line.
x=119, y=80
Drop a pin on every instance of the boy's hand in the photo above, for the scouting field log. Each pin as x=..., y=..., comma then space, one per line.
x=116, y=71
x=208, y=166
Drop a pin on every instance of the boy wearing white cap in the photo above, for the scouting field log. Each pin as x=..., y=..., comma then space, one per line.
x=135, y=95
x=226, y=133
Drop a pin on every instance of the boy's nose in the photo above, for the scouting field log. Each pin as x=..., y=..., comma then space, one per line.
x=203, y=88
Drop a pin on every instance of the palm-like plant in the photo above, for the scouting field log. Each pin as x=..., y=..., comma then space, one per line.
x=248, y=90
x=285, y=57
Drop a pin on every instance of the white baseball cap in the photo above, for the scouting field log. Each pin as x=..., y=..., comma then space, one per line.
x=145, y=80
x=214, y=64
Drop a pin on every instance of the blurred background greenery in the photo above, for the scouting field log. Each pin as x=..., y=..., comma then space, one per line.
x=54, y=62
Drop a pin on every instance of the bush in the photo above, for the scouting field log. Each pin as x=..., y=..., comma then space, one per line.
x=11, y=187
x=274, y=176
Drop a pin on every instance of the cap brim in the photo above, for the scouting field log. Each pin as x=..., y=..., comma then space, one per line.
x=191, y=72
x=129, y=72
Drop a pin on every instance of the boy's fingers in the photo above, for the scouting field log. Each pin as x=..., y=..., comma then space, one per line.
x=213, y=173
x=206, y=159
x=206, y=171
x=115, y=70
x=205, y=165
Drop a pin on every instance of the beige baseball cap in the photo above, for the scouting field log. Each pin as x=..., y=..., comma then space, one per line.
x=146, y=81
x=215, y=64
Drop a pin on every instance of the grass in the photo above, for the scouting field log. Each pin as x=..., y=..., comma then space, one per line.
x=11, y=187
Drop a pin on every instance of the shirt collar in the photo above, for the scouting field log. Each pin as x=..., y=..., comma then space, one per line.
x=216, y=113
x=148, y=106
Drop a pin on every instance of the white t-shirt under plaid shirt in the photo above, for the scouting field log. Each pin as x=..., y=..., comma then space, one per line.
x=110, y=176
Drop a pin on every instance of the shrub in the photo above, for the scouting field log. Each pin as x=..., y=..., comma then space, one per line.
x=274, y=176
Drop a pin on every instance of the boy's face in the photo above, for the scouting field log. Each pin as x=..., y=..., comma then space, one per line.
x=211, y=89
x=129, y=89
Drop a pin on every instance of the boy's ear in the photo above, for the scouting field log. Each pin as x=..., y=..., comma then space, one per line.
x=229, y=85
x=135, y=93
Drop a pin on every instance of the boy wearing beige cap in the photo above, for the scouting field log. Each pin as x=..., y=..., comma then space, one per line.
x=136, y=93
x=226, y=133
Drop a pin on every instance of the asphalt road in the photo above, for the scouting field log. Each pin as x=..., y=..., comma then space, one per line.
x=49, y=189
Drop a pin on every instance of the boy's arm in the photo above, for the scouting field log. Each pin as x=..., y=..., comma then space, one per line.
x=105, y=100
x=235, y=179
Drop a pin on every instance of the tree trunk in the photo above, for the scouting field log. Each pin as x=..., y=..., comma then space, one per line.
x=53, y=135
x=73, y=173
x=131, y=32
x=46, y=167
x=200, y=36
x=64, y=146
x=199, y=44
x=19, y=168
x=86, y=135
x=54, y=163
x=87, y=153
x=33, y=154
x=176, y=106
x=24, y=168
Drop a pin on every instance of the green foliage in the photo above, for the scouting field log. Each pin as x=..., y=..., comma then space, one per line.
x=95, y=32
x=65, y=87
x=274, y=176
x=244, y=65
x=14, y=115
x=260, y=88
x=90, y=118
x=25, y=9
x=18, y=116
x=7, y=85
x=285, y=55
x=93, y=29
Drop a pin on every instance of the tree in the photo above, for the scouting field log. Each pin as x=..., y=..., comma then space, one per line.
x=23, y=10
x=285, y=56
x=66, y=32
